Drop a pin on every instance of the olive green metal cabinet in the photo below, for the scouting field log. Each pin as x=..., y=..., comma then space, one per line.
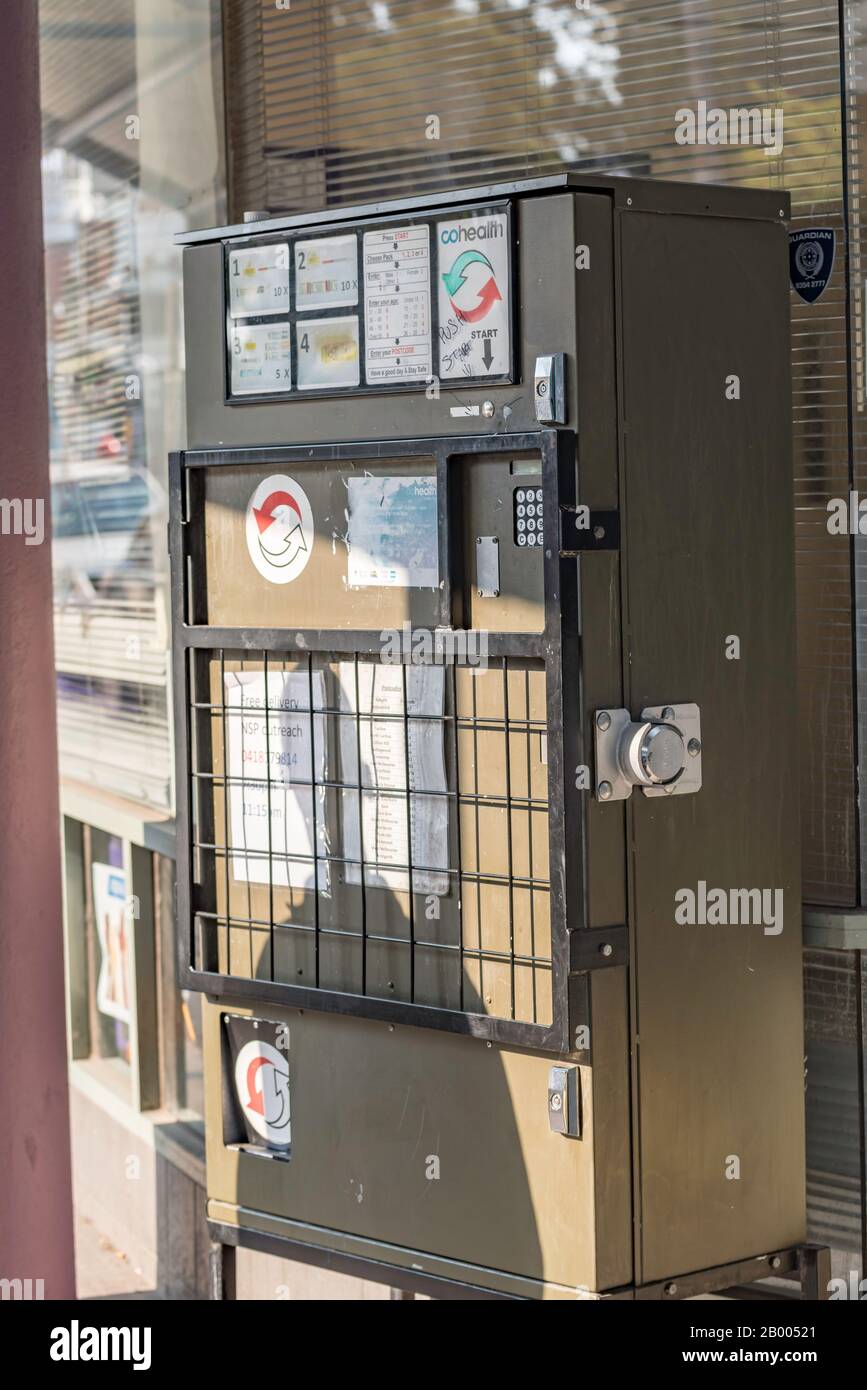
x=485, y=711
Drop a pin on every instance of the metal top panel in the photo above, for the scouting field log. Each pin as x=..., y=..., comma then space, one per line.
x=649, y=195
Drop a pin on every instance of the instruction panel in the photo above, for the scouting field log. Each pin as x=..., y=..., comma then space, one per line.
x=399, y=752
x=397, y=304
x=270, y=763
x=393, y=536
x=474, y=296
x=326, y=272
x=328, y=353
x=261, y=358
x=259, y=280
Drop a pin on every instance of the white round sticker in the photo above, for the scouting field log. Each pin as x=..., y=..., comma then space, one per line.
x=279, y=529
x=262, y=1084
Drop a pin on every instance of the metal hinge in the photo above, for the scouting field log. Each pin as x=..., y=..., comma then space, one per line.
x=582, y=530
x=598, y=948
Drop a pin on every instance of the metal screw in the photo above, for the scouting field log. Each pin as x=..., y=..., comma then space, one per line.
x=488, y=409
x=775, y=1262
x=391, y=1028
x=603, y=720
x=604, y=790
x=542, y=388
x=479, y=592
x=629, y=202
x=556, y=1101
x=599, y=532
x=668, y=712
x=671, y=1289
x=607, y=949
x=489, y=1044
x=693, y=748
x=496, y=593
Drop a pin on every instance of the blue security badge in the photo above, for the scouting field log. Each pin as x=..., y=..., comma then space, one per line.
x=811, y=260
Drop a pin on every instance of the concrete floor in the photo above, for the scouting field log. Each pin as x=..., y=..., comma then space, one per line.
x=102, y=1271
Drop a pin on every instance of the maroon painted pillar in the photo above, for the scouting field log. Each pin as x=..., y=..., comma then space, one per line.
x=35, y=1183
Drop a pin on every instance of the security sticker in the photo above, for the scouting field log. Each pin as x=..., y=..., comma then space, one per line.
x=811, y=260
x=261, y=358
x=328, y=354
x=259, y=280
x=326, y=273
x=474, y=296
x=279, y=529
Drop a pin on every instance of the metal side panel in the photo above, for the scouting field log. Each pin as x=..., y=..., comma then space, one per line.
x=512, y=1197
x=708, y=528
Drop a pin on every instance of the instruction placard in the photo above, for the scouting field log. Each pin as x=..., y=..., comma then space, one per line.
x=397, y=755
x=259, y=280
x=326, y=273
x=397, y=304
x=474, y=296
x=261, y=358
x=393, y=533
x=271, y=755
x=328, y=353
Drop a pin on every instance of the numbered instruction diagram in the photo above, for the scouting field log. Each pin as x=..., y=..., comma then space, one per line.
x=397, y=301
x=373, y=308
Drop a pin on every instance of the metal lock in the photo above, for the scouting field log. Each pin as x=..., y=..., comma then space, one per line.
x=660, y=752
x=549, y=389
x=564, y=1101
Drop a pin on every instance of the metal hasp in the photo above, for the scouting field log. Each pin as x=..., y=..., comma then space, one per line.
x=549, y=389
x=660, y=753
x=564, y=1101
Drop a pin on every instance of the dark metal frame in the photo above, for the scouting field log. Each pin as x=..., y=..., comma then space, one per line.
x=296, y=318
x=807, y=1265
x=557, y=646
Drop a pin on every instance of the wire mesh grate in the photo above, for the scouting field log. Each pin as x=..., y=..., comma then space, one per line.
x=373, y=829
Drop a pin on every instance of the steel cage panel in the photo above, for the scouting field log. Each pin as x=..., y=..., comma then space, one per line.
x=555, y=647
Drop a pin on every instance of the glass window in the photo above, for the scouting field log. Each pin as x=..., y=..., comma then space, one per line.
x=132, y=139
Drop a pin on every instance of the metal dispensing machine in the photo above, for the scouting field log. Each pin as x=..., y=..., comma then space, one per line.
x=485, y=715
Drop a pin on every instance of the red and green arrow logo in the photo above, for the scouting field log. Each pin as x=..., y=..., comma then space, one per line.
x=453, y=280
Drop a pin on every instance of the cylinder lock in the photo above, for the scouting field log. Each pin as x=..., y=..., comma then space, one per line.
x=660, y=752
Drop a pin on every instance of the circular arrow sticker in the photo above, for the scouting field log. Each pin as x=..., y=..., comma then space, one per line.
x=279, y=529
x=262, y=1085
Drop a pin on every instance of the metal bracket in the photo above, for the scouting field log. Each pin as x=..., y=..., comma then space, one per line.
x=487, y=567
x=598, y=948
x=582, y=530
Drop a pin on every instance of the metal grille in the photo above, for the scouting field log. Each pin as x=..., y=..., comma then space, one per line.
x=373, y=828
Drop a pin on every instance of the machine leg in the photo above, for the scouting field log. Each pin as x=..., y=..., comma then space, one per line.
x=814, y=1268
x=221, y=1263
